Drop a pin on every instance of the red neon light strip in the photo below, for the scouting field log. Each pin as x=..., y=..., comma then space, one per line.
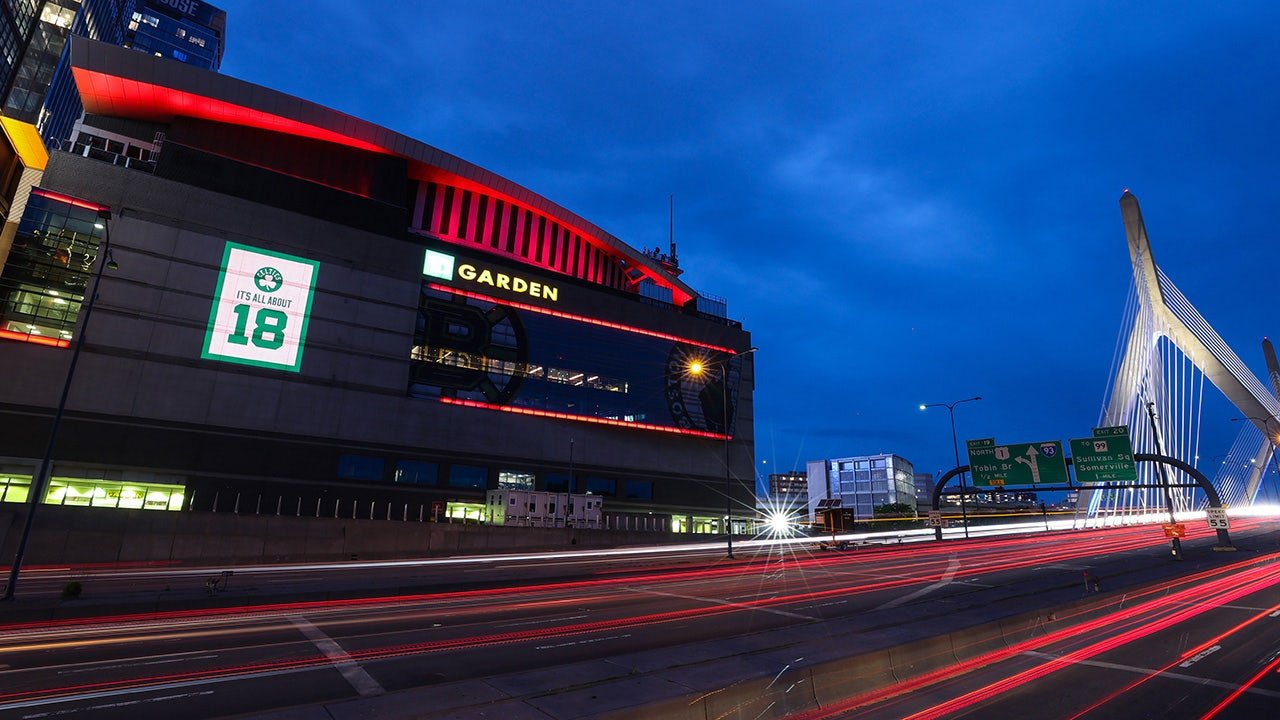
x=118, y=96
x=69, y=200
x=583, y=418
x=579, y=318
x=37, y=339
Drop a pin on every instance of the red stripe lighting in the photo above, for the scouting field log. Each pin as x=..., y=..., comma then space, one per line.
x=69, y=200
x=583, y=418
x=579, y=318
x=37, y=339
x=122, y=97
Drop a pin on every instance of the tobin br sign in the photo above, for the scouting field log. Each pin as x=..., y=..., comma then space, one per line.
x=261, y=308
x=1017, y=465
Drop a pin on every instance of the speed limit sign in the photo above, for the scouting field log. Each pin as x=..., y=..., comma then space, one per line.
x=1217, y=518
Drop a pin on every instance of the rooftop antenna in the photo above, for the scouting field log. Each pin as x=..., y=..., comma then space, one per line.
x=671, y=227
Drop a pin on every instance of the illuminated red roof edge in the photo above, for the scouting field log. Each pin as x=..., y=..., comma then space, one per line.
x=118, y=82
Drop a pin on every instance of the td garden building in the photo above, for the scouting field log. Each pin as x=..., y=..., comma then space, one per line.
x=304, y=313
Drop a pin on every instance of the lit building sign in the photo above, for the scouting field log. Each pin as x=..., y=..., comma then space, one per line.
x=261, y=308
x=444, y=266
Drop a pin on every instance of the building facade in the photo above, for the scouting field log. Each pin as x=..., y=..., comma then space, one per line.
x=315, y=315
x=37, y=81
x=862, y=482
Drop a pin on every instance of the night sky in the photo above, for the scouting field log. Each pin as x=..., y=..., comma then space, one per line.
x=903, y=202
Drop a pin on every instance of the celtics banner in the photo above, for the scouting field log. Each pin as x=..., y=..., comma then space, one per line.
x=260, y=308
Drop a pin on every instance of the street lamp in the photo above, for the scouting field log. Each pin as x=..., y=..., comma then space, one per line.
x=698, y=368
x=955, y=446
x=1266, y=430
x=41, y=477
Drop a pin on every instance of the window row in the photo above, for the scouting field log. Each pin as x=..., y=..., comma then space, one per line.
x=476, y=477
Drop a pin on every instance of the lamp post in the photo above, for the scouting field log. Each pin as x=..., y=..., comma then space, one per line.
x=955, y=447
x=698, y=368
x=1266, y=430
x=41, y=477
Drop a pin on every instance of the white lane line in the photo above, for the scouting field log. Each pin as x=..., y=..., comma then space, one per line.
x=1199, y=656
x=717, y=601
x=541, y=621
x=97, y=668
x=362, y=681
x=583, y=642
x=952, y=567
x=109, y=706
x=1164, y=674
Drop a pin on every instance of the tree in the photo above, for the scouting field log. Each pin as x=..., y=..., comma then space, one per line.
x=901, y=510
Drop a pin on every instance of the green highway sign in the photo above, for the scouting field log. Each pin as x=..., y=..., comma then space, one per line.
x=1105, y=457
x=1017, y=465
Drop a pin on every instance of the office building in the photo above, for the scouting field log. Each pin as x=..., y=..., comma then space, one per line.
x=37, y=81
x=316, y=315
x=862, y=483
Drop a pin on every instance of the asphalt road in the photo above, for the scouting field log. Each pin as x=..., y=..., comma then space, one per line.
x=1203, y=649
x=529, y=614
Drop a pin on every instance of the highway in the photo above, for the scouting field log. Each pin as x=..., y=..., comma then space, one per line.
x=520, y=615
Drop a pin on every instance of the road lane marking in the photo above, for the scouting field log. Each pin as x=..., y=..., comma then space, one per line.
x=717, y=601
x=945, y=580
x=1164, y=674
x=97, y=668
x=109, y=706
x=583, y=642
x=1199, y=656
x=541, y=621
x=355, y=674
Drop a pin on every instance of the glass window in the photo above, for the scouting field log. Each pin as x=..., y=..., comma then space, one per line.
x=470, y=349
x=515, y=480
x=555, y=482
x=639, y=490
x=602, y=486
x=468, y=476
x=360, y=467
x=415, y=472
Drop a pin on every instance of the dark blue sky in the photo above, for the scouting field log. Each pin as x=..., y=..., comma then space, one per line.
x=903, y=202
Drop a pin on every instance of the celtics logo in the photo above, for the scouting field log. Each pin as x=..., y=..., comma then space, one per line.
x=268, y=279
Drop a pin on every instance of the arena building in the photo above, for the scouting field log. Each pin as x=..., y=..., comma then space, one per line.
x=304, y=313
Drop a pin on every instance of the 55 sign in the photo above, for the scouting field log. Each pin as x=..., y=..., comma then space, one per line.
x=261, y=308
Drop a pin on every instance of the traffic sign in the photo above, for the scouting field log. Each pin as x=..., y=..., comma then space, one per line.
x=935, y=518
x=1017, y=465
x=1105, y=457
x=1175, y=530
x=1217, y=518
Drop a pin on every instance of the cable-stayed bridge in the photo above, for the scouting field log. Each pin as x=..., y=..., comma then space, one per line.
x=1165, y=354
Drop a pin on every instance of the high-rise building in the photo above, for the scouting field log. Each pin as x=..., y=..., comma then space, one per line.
x=37, y=84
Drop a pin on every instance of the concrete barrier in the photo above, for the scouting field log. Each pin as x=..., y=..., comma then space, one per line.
x=81, y=536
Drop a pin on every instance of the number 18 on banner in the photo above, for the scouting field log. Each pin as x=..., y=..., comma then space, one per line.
x=261, y=308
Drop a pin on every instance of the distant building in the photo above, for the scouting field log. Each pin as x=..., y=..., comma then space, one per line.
x=862, y=482
x=924, y=489
x=787, y=491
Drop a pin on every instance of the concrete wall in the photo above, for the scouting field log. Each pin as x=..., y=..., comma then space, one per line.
x=65, y=535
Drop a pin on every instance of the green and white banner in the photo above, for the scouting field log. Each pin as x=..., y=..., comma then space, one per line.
x=261, y=308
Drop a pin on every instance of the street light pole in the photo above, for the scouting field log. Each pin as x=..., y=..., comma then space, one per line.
x=40, y=479
x=955, y=447
x=697, y=369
